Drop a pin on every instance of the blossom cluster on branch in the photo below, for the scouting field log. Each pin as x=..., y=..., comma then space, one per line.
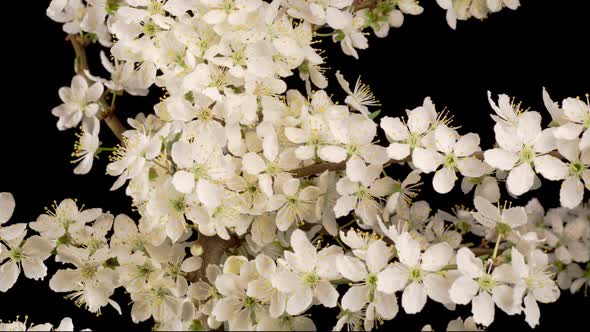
x=258, y=201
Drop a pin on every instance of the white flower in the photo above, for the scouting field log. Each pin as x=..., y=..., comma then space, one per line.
x=159, y=298
x=79, y=102
x=403, y=193
x=168, y=208
x=64, y=219
x=416, y=273
x=405, y=137
x=69, y=12
x=348, y=31
x=533, y=282
x=7, y=205
x=503, y=220
x=87, y=145
x=482, y=288
x=65, y=325
x=359, y=188
x=237, y=307
x=456, y=155
x=295, y=205
x=496, y=5
x=139, y=147
x=263, y=288
x=91, y=283
x=577, y=115
x=520, y=144
x=235, y=12
x=463, y=325
x=126, y=76
x=567, y=239
x=360, y=98
x=582, y=279
x=356, y=133
x=317, y=139
x=311, y=274
x=28, y=254
x=573, y=171
x=381, y=305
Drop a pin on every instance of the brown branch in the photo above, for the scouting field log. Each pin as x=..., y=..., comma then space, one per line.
x=362, y=4
x=318, y=169
x=214, y=247
x=108, y=114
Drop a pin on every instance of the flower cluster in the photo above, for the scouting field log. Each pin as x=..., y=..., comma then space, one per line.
x=66, y=324
x=258, y=201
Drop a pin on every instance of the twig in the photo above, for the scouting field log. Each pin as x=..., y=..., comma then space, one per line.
x=213, y=249
x=362, y=4
x=108, y=113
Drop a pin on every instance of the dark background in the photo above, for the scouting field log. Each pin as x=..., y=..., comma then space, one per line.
x=544, y=43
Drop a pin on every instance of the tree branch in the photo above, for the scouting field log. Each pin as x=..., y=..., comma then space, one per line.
x=108, y=114
x=213, y=248
x=362, y=4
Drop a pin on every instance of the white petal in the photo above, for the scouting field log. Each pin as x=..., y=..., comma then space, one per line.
x=551, y=168
x=301, y=245
x=436, y=257
x=290, y=187
x=520, y=179
x=463, y=290
x=7, y=205
x=515, y=216
x=426, y=160
x=531, y=311
x=413, y=298
x=398, y=151
x=378, y=255
x=445, y=138
x=9, y=272
x=437, y=287
x=253, y=163
x=326, y=294
x=482, y=308
x=386, y=305
x=467, y=145
x=571, y=193
x=528, y=126
x=392, y=279
x=296, y=135
x=408, y=249
x=337, y=19
x=333, y=154
x=486, y=208
x=468, y=264
x=299, y=301
x=355, y=298
x=191, y=264
x=419, y=120
x=471, y=167
x=444, y=180
x=344, y=205
x=501, y=159
x=34, y=268
x=356, y=169
x=351, y=268
x=394, y=128
x=183, y=181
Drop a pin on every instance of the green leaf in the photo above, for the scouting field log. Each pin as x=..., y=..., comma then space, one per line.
x=375, y=114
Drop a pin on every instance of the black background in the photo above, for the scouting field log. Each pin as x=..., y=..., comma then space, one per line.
x=544, y=43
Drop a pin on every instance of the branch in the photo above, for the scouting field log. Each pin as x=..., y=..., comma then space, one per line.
x=108, y=114
x=362, y=4
x=213, y=248
x=318, y=169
